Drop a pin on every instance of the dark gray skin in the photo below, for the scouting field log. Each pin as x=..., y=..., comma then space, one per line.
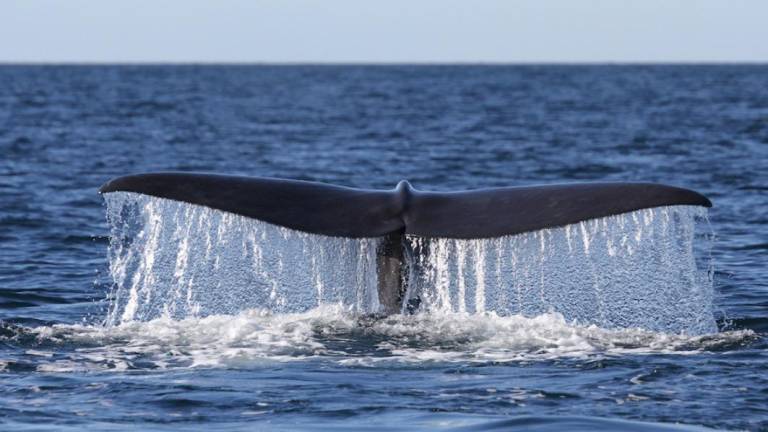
x=337, y=211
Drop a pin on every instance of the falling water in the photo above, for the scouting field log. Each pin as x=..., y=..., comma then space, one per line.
x=171, y=259
x=632, y=270
x=175, y=260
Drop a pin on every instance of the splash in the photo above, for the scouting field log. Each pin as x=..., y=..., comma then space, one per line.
x=632, y=270
x=332, y=334
x=174, y=260
x=171, y=260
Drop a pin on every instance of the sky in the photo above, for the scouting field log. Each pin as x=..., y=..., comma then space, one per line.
x=385, y=31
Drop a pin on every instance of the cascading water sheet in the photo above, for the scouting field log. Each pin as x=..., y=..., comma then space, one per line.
x=171, y=259
x=176, y=260
x=637, y=269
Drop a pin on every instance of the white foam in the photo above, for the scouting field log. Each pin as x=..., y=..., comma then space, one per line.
x=257, y=337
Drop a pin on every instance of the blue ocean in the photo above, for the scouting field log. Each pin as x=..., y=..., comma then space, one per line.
x=128, y=312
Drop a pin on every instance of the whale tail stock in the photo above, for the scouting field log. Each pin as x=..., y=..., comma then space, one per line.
x=329, y=210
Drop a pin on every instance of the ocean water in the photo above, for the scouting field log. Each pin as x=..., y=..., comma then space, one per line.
x=131, y=312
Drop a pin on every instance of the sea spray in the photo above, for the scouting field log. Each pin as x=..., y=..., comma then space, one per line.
x=175, y=260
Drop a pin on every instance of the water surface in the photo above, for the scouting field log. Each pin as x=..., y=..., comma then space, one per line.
x=231, y=342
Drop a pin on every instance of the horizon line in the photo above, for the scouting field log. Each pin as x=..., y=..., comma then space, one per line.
x=389, y=63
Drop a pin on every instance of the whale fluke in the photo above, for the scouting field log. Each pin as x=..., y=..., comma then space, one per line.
x=320, y=208
x=324, y=209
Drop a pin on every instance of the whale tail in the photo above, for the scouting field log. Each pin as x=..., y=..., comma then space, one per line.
x=329, y=210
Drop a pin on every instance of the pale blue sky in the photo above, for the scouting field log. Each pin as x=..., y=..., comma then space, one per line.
x=383, y=31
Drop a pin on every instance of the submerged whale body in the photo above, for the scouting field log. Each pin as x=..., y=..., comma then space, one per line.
x=329, y=210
